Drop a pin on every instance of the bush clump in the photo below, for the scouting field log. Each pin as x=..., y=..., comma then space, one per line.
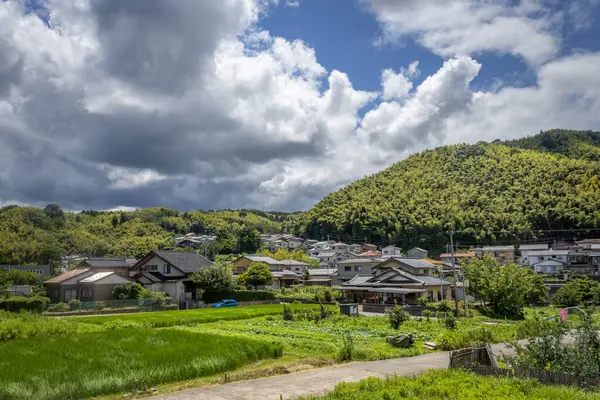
x=288, y=314
x=59, y=307
x=397, y=316
x=347, y=348
x=74, y=305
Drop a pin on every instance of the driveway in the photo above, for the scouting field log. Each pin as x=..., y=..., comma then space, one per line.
x=317, y=381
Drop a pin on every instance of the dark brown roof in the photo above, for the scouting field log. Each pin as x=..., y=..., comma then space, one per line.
x=67, y=275
x=186, y=261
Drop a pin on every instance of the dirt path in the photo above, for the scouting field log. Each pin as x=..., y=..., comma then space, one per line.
x=317, y=381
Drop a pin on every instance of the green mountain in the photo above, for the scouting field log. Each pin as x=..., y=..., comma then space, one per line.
x=539, y=186
x=34, y=235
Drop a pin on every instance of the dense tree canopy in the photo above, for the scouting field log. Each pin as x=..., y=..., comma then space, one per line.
x=506, y=289
x=31, y=235
x=484, y=191
x=578, y=291
x=257, y=274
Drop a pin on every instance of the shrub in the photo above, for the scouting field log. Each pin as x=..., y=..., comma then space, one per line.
x=423, y=301
x=99, y=305
x=328, y=296
x=443, y=306
x=346, y=350
x=466, y=337
x=427, y=315
x=534, y=327
x=74, y=305
x=397, y=316
x=288, y=315
x=449, y=321
x=59, y=307
x=19, y=303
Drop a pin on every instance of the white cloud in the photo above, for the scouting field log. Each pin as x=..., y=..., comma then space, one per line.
x=242, y=118
x=293, y=4
x=455, y=28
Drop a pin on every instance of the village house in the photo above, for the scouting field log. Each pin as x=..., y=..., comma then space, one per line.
x=367, y=247
x=370, y=254
x=339, y=247
x=347, y=269
x=84, y=284
x=392, y=285
x=282, y=275
x=457, y=258
x=322, y=277
x=525, y=249
x=354, y=248
x=391, y=251
x=536, y=256
x=504, y=254
x=120, y=265
x=170, y=272
x=411, y=265
x=417, y=252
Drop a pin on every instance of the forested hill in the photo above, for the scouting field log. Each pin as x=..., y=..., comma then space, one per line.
x=545, y=182
x=34, y=235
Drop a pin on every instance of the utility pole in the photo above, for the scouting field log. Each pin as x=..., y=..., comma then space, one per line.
x=454, y=274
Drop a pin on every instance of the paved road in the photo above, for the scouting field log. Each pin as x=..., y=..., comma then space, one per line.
x=317, y=381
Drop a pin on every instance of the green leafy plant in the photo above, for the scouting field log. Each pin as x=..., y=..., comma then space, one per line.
x=346, y=349
x=427, y=315
x=397, y=316
x=288, y=314
x=449, y=321
x=74, y=304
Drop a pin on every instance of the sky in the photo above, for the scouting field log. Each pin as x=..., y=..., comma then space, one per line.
x=272, y=104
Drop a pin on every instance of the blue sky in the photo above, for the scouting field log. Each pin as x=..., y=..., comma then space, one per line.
x=343, y=33
x=206, y=104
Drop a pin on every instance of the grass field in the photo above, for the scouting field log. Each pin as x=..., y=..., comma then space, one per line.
x=164, y=319
x=452, y=384
x=15, y=326
x=80, y=366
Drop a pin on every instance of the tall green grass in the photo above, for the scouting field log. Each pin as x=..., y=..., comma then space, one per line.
x=164, y=319
x=452, y=384
x=85, y=365
x=23, y=325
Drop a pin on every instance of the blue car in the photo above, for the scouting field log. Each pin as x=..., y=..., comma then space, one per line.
x=225, y=303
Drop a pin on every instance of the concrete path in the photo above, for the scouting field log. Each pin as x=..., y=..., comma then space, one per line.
x=317, y=381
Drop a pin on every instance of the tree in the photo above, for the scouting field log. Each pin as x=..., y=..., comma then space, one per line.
x=215, y=279
x=17, y=277
x=54, y=211
x=126, y=291
x=578, y=291
x=505, y=288
x=257, y=274
x=248, y=240
x=115, y=221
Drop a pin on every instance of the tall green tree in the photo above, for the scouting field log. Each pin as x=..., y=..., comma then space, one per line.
x=506, y=289
x=215, y=279
x=256, y=275
x=579, y=290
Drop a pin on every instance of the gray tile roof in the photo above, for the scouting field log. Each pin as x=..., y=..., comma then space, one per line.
x=323, y=271
x=326, y=254
x=358, y=280
x=110, y=262
x=548, y=253
x=361, y=261
x=533, y=247
x=293, y=263
x=186, y=261
x=498, y=248
x=413, y=262
x=263, y=259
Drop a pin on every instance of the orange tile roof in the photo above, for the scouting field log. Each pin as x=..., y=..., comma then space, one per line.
x=370, y=253
x=436, y=262
x=458, y=255
x=67, y=275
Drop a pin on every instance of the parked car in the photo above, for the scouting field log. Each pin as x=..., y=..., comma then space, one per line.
x=225, y=303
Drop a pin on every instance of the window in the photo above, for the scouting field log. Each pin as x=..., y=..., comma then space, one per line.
x=297, y=269
x=357, y=268
x=152, y=267
x=86, y=293
x=54, y=292
x=167, y=268
x=70, y=294
x=553, y=256
x=347, y=269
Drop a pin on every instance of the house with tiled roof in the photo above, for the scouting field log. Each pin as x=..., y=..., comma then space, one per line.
x=170, y=272
x=119, y=265
x=84, y=284
x=393, y=285
x=284, y=272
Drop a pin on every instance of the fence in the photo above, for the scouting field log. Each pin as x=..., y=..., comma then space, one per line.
x=415, y=311
x=542, y=376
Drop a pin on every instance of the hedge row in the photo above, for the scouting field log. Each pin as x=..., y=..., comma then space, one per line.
x=239, y=295
x=19, y=303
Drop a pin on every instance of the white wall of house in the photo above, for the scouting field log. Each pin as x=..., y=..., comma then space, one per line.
x=532, y=260
x=162, y=267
